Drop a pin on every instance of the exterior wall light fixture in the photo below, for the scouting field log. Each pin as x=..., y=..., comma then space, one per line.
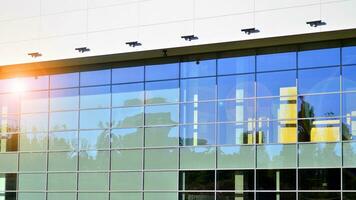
x=248, y=31
x=133, y=44
x=316, y=23
x=82, y=49
x=189, y=37
x=35, y=54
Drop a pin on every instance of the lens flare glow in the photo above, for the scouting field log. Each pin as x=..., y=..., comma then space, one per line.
x=17, y=86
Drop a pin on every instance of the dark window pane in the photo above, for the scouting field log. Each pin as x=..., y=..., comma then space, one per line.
x=268, y=86
x=196, y=180
x=193, y=135
x=238, y=110
x=319, y=195
x=236, y=87
x=276, y=179
x=8, y=182
x=127, y=75
x=236, y=65
x=277, y=61
x=318, y=58
x=276, y=196
x=349, y=196
x=198, y=68
x=162, y=72
x=319, y=80
x=236, y=133
x=202, y=112
x=349, y=179
x=235, y=180
x=101, y=77
x=319, y=179
x=198, y=89
x=319, y=106
x=162, y=92
x=349, y=55
x=64, y=80
x=196, y=196
x=349, y=78
x=235, y=196
x=127, y=95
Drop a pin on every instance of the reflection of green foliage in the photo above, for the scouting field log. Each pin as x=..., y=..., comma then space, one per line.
x=133, y=102
x=157, y=100
x=346, y=134
x=305, y=126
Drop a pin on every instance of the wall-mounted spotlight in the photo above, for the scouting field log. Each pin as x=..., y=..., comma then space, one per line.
x=82, y=49
x=133, y=44
x=248, y=31
x=35, y=54
x=316, y=23
x=189, y=37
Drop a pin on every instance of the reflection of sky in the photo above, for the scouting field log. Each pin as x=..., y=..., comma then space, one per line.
x=231, y=150
x=273, y=150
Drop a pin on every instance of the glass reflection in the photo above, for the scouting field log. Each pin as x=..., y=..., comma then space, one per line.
x=196, y=195
x=238, y=110
x=63, y=140
x=197, y=180
x=162, y=92
x=129, y=137
x=94, y=160
x=33, y=142
x=276, y=156
x=276, y=132
x=236, y=87
x=197, y=89
x=319, y=179
x=97, y=139
x=162, y=72
x=62, y=121
x=64, y=80
x=319, y=57
x=236, y=133
x=194, y=135
x=127, y=95
x=127, y=75
x=276, y=179
x=235, y=180
x=95, y=97
x=34, y=102
x=202, y=112
x=95, y=119
x=34, y=122
x=320, y=155
x=61, y=100
x=349, y=55
x=236, y=65
x=319, y=80
x=232, y=157
x=127, y=117
x=162, y=115
x=268, y=86
x=319, y=130
x=162, y=136
x=277, y=61
x=319, y=106
x=101, y=77
x=277, y=108
x=10, y=103
x=198, y=68
x=349, y=78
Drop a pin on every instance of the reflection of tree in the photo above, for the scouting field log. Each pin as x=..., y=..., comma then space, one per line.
x=132, y=102
x=346, y=133
x=305, y=126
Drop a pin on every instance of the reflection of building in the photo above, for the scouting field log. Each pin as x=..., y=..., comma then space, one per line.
x=287, y=129
x=351, y=124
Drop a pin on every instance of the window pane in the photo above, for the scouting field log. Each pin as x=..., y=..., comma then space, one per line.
x=32, y=181
x=126, y=160
x=349, y=154
x=94, y=160
x=161, y=136
x=127, y=95
x=319, y=57
x=162, y=115
x=319, y=106
x=276, y=156
x=11, y=102
x=31, y=196
x=162, y=92
x=153, y=159
x=198, y=68
x=276, y=195
x=196, y=180
x=93, y=196
x=89, y=78
x=64, y=80
x=95, y=97
x=62, y=161
x=277, y=61
x=34, y=102
x=348, y=104
x=236, y=65
x=126, y=196
x=32, y=162
x=93, y=181
x=9, y=162
x=202, y=112
x=127, y=117
x=200, y=134
x=10, y=123
x=9, y=182
x=236, y=87
x=319, y=179
x=196, y=195
x=277, y=108
x=129, y=137
x=235, y=180
x=127, y=75
x=95, y=119
x=160, y=196
x=63, y=140
x=34, y=122
x=269, y=132
x=98, y=139
x=236, y=133
x=234, y=195
x=62, y=121
x=238, y=110
x=62, y=181
x=198, y=89
x=268, y=86
x=349, y=179
x=349, y=55
x=319, y=195
x=32, y=142
x=320, y=155
x=236, y=157
x=348, y=128
x=126, y=181
x=276, y=179
x=349, y=78
x=161, y=180
x=197, y=157
x=61, y=196
x=162, y=71
x=319, y=80
x=323, y=130
x=67, y=99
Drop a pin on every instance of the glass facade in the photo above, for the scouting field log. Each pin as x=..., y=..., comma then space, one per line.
x=265, y=126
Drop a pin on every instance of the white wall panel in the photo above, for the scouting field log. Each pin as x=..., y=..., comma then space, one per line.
x=277, y=4
x=18, y=30
x=12, y=53
x=339, y=15
x=102, y=3
x=286, y=21
x=113, y=17
x=64, y=23
x=162, y=11
x=57, y=6
x=210, y=8
x=14, y=9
